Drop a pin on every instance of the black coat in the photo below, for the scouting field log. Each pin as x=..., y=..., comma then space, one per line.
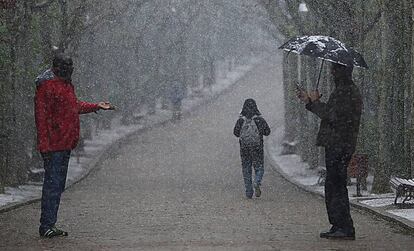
x=340, y=117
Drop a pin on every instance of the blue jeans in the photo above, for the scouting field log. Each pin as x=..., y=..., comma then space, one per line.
x=252, y=160
x=56, y=169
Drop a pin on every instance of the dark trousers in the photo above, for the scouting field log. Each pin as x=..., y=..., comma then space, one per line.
x=56, y=169
x=252, y=159
x=336, y=192
x=176, y=109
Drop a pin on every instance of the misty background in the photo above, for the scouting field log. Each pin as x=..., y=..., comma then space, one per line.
x=126, y=52
x=129, y=52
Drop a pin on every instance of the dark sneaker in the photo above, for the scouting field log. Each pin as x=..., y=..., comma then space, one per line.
x=341, y=234
x=257, y=190
x=326, y=233
x=53, y=232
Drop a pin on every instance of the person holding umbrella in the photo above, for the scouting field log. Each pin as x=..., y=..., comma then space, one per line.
x=338, y=131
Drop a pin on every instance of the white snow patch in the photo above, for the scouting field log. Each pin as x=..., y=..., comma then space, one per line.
x=19, y=194
x=403, y=213
x=379, y=202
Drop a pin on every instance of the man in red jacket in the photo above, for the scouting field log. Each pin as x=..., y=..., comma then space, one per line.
x=57, y=112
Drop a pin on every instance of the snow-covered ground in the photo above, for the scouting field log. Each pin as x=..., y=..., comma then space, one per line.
x=294, y=169
x=78, y=168
x=403, y=213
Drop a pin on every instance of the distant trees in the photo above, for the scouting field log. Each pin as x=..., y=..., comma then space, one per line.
x=382, y=30
x=28, y=30
x=125, y=51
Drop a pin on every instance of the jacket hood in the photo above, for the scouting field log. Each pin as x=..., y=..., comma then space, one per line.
x=44, y=76
x=343, y=75
x=250, y=108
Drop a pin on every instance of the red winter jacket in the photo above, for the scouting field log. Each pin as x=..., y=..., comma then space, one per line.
x=57, y=115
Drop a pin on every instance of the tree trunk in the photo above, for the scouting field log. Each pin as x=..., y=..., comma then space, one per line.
x=385, y=114
x=411, y=132
x=290, y=101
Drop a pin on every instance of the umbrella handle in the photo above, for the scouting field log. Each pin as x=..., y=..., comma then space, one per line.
x=287, y=56
x=320, y=72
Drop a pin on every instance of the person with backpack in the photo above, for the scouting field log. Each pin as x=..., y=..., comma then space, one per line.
x=338, y=134
x=178, y=91
x=250, y=129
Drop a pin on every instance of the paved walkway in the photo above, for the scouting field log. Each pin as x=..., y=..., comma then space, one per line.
x=179, y=187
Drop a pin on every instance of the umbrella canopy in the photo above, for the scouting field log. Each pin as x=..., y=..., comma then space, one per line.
x=326, y=48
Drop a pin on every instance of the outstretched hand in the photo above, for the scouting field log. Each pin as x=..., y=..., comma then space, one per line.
x=106, y=106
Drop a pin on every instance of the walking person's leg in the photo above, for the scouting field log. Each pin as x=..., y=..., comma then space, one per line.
x=174, y=111
x=179, y=108
x=247, y=172
x=55, y=165
x=258, y=165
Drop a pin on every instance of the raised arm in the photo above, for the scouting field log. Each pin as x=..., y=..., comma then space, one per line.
x=85, y=107
x=339, y=109
x=321, y=109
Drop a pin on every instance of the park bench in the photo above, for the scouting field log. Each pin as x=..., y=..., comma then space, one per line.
x=404, y=189
x=357, y=168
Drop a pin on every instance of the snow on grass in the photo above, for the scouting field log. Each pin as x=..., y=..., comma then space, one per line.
x=403, y=213
x=378, y=202
x=19, y=194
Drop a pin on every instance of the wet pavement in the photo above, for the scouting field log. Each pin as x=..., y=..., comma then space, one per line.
x=179, y=187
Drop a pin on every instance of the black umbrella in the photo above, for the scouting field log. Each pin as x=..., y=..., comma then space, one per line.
x=325, y=48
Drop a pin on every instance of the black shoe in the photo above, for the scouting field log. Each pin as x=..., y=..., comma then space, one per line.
x=341, y=234
x=325, y=233
x=257, y=190
x=53, y=232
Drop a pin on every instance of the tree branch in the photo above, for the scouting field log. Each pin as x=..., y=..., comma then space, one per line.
x=40, y=6
x=375, y=20
x=372, y=24
x=279, y=19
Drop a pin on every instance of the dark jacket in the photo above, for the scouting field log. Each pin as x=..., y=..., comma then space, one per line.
x=249, y=111
x=340, y=116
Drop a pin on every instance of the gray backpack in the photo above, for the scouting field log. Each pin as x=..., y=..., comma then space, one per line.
x=249, y=133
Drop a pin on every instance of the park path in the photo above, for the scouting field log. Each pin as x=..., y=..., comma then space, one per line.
x=179, y=187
